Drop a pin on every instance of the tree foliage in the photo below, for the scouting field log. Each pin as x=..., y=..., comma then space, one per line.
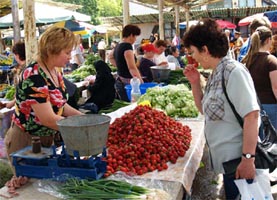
x=97, y=8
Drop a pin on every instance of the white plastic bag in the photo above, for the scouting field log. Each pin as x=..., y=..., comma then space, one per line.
x=258, y=190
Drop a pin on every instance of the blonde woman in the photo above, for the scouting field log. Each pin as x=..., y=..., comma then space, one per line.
x=41, y=96
x=263, y=69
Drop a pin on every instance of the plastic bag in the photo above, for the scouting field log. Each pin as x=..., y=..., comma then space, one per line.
x=258, y=190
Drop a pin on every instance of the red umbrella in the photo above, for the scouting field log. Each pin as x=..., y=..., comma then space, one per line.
x=247, y=20
x=225, y=24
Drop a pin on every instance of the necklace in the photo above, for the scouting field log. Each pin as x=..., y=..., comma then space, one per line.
x=54, y=81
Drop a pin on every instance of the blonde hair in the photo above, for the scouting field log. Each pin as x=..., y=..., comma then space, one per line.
x=258, y=40
x=54, y=40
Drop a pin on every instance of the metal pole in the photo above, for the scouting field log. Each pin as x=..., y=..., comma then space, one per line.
x=126, y=12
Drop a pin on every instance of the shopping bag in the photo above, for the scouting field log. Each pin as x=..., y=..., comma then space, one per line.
x=258, y=190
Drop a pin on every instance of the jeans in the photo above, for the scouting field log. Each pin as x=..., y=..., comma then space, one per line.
x=271, y=111
x=121, y=91
x=231, y=190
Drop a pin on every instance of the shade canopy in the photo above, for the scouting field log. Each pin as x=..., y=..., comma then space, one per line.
x=225, y=24
x=82, y=28
x=272, y=16
x=45, y=14
x=247, y=20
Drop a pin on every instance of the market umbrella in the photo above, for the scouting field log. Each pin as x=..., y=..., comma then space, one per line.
x=225, y=24
x=83, y=29
x=247, y=20
x=272, y=16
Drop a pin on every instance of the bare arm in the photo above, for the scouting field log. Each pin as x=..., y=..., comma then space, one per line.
x=130, y=60
x=47, y=116
x=273, y=79
x=246, y=169
x=111, y=58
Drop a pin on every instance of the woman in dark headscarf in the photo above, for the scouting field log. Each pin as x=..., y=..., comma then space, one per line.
x=102, y=91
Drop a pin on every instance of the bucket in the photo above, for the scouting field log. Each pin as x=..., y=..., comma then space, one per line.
x=87, y=134
x=143, y=87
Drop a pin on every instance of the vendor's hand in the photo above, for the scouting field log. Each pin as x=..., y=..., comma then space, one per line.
x=2, y=105
x=10, y=104
x=163, y=64
x=86, y=83
x=192, y=74
x=246, y=169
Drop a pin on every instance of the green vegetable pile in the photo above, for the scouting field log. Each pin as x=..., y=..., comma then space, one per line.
x=101, y=189
x=177, y=77
x=5, y=172
x=115, y=106
x=81, y=73
x=175, y=100
x=10, y=92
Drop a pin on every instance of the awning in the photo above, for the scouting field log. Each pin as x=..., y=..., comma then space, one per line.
x=45, y=14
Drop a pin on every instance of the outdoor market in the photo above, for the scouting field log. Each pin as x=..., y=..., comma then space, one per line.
x=171, y=100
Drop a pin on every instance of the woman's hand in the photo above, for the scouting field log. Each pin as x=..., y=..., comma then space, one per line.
x=192, y=74
x=246, y=169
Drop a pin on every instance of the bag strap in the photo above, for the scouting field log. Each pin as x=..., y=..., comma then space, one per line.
x=239, y=118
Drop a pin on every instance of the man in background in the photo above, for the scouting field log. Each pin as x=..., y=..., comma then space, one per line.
x=102, y=49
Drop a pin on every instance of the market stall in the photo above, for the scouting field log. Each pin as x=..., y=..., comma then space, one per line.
x=176, y=180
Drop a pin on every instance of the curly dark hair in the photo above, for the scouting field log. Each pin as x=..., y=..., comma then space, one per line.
x=207, y=33
x=130, y=30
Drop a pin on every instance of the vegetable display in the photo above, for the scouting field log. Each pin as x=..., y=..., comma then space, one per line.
x=144, y=140
x=107, y=189
x=175, y=100
x=101, y=189
x=81, y=73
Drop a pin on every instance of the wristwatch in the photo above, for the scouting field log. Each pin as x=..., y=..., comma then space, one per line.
x=248, y=155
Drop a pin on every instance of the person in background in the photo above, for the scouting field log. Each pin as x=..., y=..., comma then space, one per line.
x=18, y=51
x=77, y=58
x=176, y=41
x=172, y=54
x=257, y=22
x=224, y=136
x=263, y=69
x=102, y=49
x=102, y=90
x=237, y=44
x=146, y=62
x=182, y=51
x=122, y=56
x=273, y=48
x=41, y=96
x=160, y=58
x=139, y=54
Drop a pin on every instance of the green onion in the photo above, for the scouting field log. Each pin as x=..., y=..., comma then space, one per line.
x=101, y=189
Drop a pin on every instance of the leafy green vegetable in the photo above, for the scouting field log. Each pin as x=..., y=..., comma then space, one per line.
x=10, y=93
x=175, y=100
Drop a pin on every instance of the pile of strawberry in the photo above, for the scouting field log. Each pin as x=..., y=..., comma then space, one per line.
x=144, y=140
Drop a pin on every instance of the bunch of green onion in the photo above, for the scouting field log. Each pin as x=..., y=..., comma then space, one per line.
x=101, y=189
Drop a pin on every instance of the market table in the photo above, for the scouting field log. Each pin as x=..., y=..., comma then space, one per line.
x=176, y=180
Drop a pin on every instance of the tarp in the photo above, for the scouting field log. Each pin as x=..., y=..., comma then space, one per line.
x=247, y=20
x=45, y=14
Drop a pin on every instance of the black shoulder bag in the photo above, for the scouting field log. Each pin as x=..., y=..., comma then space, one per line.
x=266, y=150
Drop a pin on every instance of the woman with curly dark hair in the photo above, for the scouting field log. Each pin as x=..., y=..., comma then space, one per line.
x=224, y=136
